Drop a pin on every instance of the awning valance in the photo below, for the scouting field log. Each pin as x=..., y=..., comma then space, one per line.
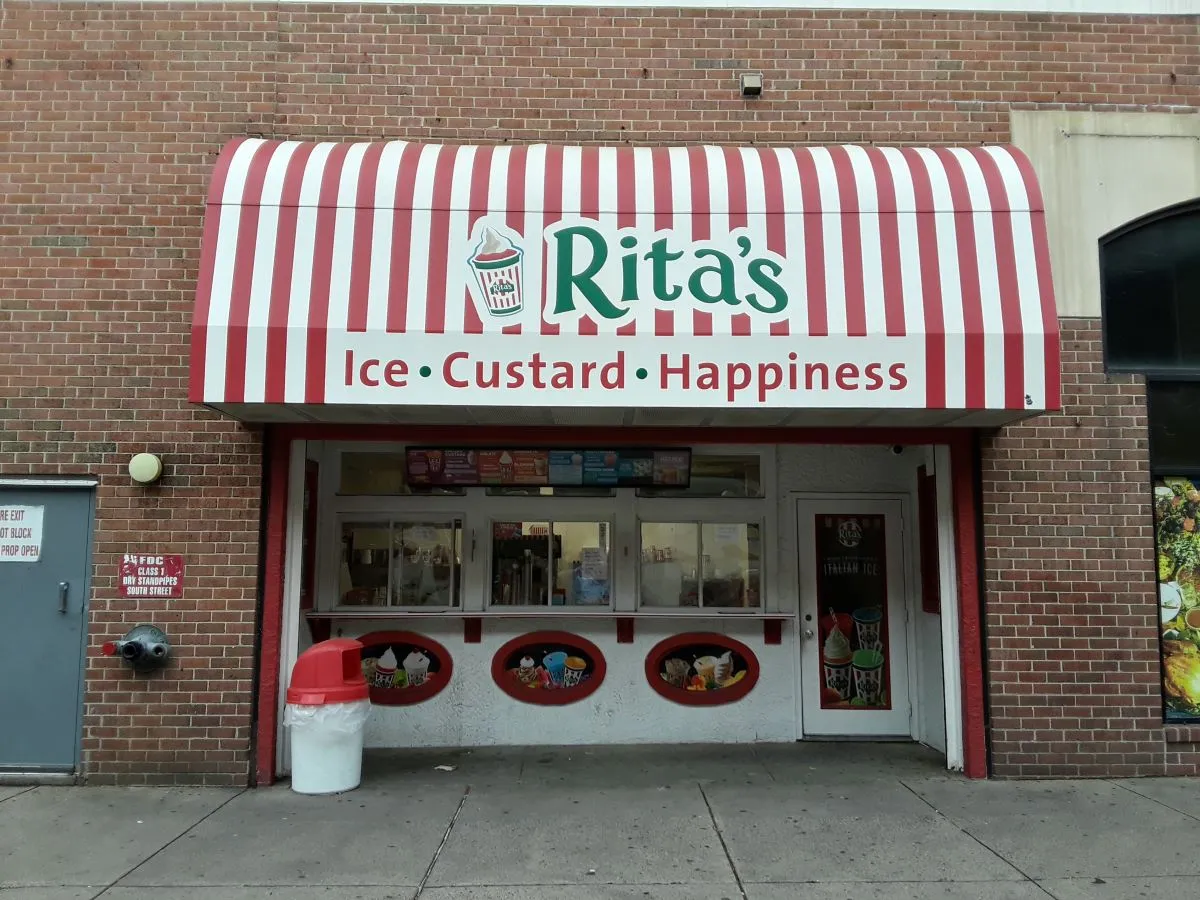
x=418, y=275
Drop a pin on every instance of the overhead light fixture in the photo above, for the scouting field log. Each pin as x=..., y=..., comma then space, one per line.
x=752, y=84
x=145, y=468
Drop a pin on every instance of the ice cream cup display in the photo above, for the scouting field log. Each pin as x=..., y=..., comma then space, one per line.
x=416, y=668
x=706, y=668
x=434, y=458
x=675, y=672
x=497, y=267
x=506, y=466
x=527, y=670
x=868, y=675
x=385, y=669
x=838, y=676
x=867, y=623
x=556, y=664
x=573, y=671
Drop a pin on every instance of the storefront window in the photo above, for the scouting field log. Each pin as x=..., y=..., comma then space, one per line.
x=401, y=563
x=380, y=474
x=551, y=563
x=693, y=564
x=723, y=475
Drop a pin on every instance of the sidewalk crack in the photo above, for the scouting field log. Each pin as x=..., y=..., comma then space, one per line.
x=171, y=843
x=1154, y=800
x=1008, y=862
x=724, y=846
x=442, y=845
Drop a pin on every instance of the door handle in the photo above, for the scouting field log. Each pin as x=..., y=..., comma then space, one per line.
x=64, y=588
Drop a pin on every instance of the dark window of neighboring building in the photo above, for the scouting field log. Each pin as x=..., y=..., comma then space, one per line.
x=1150, y=288
x=1174, y=412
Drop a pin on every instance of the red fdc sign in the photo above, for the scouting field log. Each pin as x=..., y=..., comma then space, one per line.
x=145, y=575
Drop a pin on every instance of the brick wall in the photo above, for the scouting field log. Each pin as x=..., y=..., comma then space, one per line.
x=1071, y=604
x=113, y=113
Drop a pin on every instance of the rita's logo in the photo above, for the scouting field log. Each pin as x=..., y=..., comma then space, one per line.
x=496, y=262
x=594, y=270
x=850, y=533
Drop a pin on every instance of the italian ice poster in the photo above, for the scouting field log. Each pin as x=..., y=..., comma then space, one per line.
x=852, y=611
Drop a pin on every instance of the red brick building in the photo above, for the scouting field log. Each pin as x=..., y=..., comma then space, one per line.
x=116, y=115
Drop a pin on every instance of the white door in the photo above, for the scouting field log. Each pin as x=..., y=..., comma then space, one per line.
x=853, y=616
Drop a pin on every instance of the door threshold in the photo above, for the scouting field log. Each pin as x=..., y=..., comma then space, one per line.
x=33, y=778
x=859, y=738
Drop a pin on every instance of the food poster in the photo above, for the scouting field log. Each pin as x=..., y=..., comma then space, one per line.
x=1176, y=517
x=397, y=666
x=548, y=666
x=852, y=611
x=703, y=667
x=431, y=466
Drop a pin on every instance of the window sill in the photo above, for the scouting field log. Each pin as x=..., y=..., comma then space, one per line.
x=550, y=612
x=1181, y=734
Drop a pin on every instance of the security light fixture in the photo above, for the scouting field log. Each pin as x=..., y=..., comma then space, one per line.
x=752, y=84
x=145, y=468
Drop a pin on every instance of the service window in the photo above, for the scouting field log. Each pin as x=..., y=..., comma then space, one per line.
x=414, y=563
x=701, y=564
x=551, y=563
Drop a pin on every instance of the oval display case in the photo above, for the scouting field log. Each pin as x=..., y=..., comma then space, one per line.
x=548, y=668
x=701, y=669
x=402, y=667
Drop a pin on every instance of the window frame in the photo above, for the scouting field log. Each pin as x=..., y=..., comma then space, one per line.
x=701, y=512
x=588, y=510
x=477, y=511
x=390, y=518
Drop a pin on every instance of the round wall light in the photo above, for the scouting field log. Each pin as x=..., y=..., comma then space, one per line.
x=145, y=468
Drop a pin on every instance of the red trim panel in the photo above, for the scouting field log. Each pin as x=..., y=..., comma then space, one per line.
x=688, y=669
x=431, y=670
x=560, y=668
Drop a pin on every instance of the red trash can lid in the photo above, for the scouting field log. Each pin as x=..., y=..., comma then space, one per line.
x=328, y=672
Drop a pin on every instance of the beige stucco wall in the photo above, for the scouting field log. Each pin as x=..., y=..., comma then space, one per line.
x=1099, y=171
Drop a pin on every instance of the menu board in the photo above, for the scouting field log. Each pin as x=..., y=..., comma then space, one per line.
x=444, y=467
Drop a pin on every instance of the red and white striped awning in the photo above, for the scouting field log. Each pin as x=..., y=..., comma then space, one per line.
x=422, y=276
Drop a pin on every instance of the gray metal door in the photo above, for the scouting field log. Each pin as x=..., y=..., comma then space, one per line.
x=45, y=560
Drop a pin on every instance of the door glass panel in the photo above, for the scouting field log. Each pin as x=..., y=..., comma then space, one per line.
x=851, y=570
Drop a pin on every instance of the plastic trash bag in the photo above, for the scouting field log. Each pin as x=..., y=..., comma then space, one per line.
x=341, y=718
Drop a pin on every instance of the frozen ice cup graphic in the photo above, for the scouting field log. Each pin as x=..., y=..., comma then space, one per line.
x=868, y=676
x=556, y=666
x=867, y=623
x=573, y=671
x=497, y=267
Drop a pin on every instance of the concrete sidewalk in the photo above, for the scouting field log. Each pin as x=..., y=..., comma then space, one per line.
x=820, y=821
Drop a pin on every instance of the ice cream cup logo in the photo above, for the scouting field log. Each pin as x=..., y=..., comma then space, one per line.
x=496, y=263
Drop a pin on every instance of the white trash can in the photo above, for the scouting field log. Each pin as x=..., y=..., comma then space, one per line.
x=327, y=746
x=327, y=708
